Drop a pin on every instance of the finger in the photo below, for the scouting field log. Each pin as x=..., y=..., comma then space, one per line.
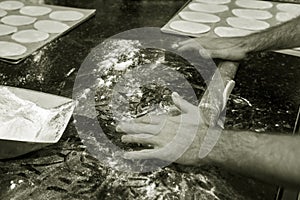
x=150, y=119
x=143, y=154
x=188, y=41
x=182, y=104
x=136, y=128
x=227, y=91
x=205, y=53
x=139, y=138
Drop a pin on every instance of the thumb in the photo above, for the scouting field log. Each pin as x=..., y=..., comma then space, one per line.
x=182, y=104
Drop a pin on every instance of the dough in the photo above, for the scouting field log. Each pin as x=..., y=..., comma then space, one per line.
x=248, y=24
x=35, y=10
x=208, y=8
x=30, y=36
x=66, y=15
x=254, y=4
x=231, y=32
x=17, y=20
x=11, y=5
x=189, y=27
x=2, y=13
x=284, y=16
x=214, y=1
x=289, y=7
x=51, y=26
x=11, y=49
x=252, y=14
x=6, y=30
x=199, y=17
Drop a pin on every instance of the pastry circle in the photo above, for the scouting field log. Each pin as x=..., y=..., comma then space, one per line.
x=50, y=26
x=199, y=17
x=214, y=1
x=223, y=31
x=11, y=5
x=289, y=7
x=252, y=14
x=2, y=13
x=30, y=36
x=253, y=4
x=285, y=16
x=6, y=29
x=248, y=24
x=18, y=20
x=208, y=8
x=35, y=11
x=68, y=15
x=11, y=49
x=189, y=27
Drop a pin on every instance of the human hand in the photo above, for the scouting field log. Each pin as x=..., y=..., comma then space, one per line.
x=235, y=48
x=174, y=138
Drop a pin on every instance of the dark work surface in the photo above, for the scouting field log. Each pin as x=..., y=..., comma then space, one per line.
x=269, y=81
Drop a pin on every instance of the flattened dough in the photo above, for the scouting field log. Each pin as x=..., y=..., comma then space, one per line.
x=208, y=8
x=189, y=27
x=11, y=5
x=253, y=4
x=223, y=31
x=199, y=17
x=248, y=24
x=17, y=20
x=30, y=36
x=66, y=15
x=35, y=11
x=2, y=13
x=289, y=7
x=50, y=26
x=6, y=30
x=11, y=49
x=252, y=14
x=284, y=16
x=214, y=1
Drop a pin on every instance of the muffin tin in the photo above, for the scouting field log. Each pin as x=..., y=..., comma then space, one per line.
x=41, y=14
x=224, y=15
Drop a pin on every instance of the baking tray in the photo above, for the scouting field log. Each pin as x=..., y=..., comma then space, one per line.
x=224, y=15
x=12, y=145
x=32, y=47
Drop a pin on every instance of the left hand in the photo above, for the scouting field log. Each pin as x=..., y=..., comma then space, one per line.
x=174, y=138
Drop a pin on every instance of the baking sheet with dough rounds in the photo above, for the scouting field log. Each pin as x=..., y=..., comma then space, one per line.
x=285, y=16
x=17, y=20
x=11, y=5
x=223, y=31
x=208, y=8
x=252, y=14
x=51, y=26
x=254, y=4
x=11, y=49
x=248, y=24
x=30, y=36
x=189, y=27
x=6, y=29
x=214, y=1
x=35, y=11
x=2, y=13
x=199, y=17
x=288, y=7
x=68, y=15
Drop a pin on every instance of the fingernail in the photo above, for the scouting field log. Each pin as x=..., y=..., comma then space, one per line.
x=118, y=128
x=175, y=94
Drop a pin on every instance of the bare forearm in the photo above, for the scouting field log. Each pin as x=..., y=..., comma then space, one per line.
x=284, y=36
x=274, y=158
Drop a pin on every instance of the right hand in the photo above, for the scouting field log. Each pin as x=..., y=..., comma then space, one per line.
x=235, y=48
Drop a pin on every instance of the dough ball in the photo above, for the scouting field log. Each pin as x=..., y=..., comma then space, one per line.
x=208, y=8
x=248, y=24
x=231, y=32
x=252, y=14
x=253, y=4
